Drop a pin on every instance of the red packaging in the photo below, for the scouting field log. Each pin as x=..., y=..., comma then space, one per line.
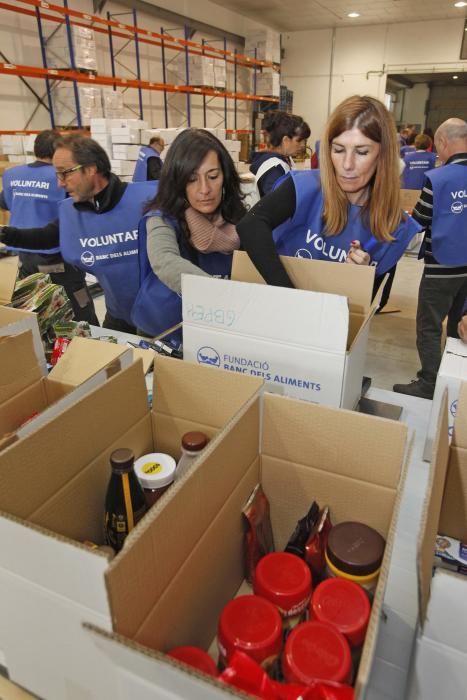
x=343, y=604
x=316, y=650
x=258, y=539
x=60, y=345
x=196, y=658
x=285, y=580
x=315, y=546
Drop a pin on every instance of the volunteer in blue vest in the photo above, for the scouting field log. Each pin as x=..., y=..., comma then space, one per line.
x=32, y=196
x=285, y=137
x=409, y=146
x=348, y=212
x=97, y=227
x=149, y=163
x=442, y=211
x=189, y=226
x=417, y=163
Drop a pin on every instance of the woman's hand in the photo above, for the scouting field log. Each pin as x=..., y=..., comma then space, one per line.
x=356, y=255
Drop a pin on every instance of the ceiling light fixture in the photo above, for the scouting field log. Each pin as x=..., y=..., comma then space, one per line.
x=455, y=77
x=356, y=14
x=460, y=4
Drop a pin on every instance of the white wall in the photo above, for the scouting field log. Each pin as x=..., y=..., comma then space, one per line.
x=361, y=57
x=19, y=42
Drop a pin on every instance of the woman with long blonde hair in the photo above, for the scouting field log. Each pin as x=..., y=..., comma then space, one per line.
x=349, y=211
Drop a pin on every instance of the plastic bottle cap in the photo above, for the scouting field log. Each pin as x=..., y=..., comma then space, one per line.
x=196, y=658
x=355, y=548
x=122, y=460
x=155, y=470
x=343, y=604
x=194, y=441
x=285, y=580
x=250, y=624
x=316, y=650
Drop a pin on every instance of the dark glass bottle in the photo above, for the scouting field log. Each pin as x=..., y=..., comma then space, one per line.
x=125, y=504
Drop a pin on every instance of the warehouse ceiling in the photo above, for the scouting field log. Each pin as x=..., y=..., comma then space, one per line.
x=295, y=15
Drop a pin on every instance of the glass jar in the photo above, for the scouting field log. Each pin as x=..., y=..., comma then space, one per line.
x=196, y=658
x=285, y=580
x=253, y=625
x=193, y=443
x=343, y=604
x=155, y=473
x=316, y=650
x=354, y=552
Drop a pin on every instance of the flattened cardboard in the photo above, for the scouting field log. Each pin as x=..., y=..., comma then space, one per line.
x=8, y=274
x=197, y=533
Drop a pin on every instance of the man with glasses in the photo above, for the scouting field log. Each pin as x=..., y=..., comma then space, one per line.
x=32, y=196
x=97, y=227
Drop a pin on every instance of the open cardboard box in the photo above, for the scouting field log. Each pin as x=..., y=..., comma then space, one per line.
x=440, y=657
x=452, y=372
x=186, y=561
x=25, y=391
x=52, y=492
x=306, y=345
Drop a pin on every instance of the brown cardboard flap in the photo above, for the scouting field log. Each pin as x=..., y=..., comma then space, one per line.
x=147, y=356
x=432, y=508
x=18, y=409
x=187, y=390
x=453, y=518
x=352, y=281
x=83, y=358
x=32, y=470
x=169, y=539
x=18, y=364
x=459, y=438
x=8, y=274
x=341, y=442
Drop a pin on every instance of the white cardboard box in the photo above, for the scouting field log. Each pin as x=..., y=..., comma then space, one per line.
x=122, y=167
x=304, y=344
x=452, y=372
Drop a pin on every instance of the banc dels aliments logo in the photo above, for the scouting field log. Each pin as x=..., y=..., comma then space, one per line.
x=87, y=258
x=453, y=408
x=457, y=207
x=303, y=253
x=208, y=356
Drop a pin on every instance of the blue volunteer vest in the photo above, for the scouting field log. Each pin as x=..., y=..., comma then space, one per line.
x=303, y=235
x=416, y=165
x=141, y=168
x=157, y=307
x=32, y=196
x=407, y=149
x=106, y=245
x=449, y=225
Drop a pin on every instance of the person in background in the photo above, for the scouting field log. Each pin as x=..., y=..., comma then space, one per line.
x=149, y=163
x=97, y=226
x=417, y=163
x=32, y=196
x=409, y=145
x=462, y=327
x=349, y=211
x=429, y=132
x=188, y=227
x=285, y=137
x=314, y=163
x=443, y=286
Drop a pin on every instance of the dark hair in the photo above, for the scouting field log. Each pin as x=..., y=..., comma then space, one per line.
x=278, y=124
x=428, y=132
x=411, y=138
x=184, y=157
x=85, y=152
x=44, y=143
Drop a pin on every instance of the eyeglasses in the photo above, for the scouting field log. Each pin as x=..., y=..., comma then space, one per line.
x=62, y=174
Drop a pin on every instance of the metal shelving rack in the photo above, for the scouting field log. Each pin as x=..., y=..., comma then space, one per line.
x=113, y=28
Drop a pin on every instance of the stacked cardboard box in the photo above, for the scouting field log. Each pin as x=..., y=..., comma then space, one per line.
x=84, y=48
x=268, y=82
x=112, y=103
x=264, y=44
x=64, y=103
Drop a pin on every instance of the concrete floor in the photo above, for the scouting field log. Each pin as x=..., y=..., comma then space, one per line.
x=392, y=356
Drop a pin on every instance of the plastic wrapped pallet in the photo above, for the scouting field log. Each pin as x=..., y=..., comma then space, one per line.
x=112, y=102
x=12, y=144
x=220, y=73
x=84, y=48
x=90, y=103
x=264, y=44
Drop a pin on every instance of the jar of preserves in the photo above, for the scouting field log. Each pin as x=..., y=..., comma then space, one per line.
x=193, y=443
x=354, y=551
x=155, y=473
x=196, y=658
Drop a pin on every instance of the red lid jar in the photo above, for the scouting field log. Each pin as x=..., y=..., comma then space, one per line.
x=316, y=650
x=345, y=605
x=285, y=580
x=253, y=625
x=196, y=658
